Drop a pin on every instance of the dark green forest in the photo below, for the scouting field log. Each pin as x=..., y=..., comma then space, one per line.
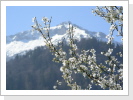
x=36, y=71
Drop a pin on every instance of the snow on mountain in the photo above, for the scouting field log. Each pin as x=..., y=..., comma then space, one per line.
x=28, y=40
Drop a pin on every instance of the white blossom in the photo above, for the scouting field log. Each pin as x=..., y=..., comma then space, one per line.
x=64, y=62
x=61, y=69
x=89, y=86
x=33, y=19
x=45, y=19
x=110, y=50
x=55, y=87
x=85, y=62
x=112, y=27
x=92, y=51
x=72, y=59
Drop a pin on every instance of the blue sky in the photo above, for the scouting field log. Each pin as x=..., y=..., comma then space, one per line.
x=19, y=18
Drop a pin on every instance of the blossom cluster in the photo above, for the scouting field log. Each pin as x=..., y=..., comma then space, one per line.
x=114, y=16
x=108, y=75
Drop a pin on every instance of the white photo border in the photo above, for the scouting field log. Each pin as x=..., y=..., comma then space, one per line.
x=64, y=92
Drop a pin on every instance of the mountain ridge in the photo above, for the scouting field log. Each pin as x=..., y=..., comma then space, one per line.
x=28, y=40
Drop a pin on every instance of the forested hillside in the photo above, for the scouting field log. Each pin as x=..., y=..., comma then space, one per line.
x=36, y=71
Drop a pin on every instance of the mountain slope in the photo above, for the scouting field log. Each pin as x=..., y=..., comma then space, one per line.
x=22, y=42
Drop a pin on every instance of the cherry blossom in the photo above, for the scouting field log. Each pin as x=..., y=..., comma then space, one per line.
x=108, y=75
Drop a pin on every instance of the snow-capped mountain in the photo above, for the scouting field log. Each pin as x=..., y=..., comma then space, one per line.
x=28, y=40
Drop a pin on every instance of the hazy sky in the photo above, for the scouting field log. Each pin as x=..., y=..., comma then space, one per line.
x=19, y=18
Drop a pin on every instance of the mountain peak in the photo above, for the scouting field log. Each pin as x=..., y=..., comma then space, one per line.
x=66, y=22
x=26, y=40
